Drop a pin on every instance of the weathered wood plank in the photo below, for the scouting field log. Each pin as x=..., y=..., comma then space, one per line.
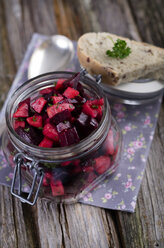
x=13, y=231
x=7, y=66
x=48, y=225
x=22, y=19
x=149, y=19
x=75, y=226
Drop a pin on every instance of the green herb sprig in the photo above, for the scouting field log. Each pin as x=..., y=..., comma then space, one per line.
x=119, y=50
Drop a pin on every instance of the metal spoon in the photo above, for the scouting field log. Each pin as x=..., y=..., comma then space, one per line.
x=52, y=55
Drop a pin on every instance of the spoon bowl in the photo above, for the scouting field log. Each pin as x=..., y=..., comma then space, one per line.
x=53, y=54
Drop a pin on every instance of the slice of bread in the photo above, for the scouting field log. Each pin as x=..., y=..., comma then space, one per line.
x=143, y=61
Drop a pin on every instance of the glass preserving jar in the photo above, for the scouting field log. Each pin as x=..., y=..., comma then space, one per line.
x=80, y=167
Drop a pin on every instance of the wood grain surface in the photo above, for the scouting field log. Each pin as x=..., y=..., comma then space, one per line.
x=80, y=226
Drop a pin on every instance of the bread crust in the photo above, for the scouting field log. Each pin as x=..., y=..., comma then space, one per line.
x=93, y=67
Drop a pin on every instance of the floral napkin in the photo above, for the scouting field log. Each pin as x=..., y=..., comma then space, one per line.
x=118, y=191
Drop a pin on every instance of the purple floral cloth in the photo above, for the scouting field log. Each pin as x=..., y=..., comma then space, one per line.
x=118, y=191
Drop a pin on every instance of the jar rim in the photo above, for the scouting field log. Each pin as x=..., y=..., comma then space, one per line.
x=59, y=153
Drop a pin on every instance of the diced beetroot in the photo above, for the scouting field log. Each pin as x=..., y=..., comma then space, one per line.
x=61, y=117
x=73, y=101
x=66, y=163
x=57, y=188
x=70, y=93
x=46, y=143
x=72, y=120
x=63, y=126
x=30, y=135
x=80, y=88
x=39, y=104
x=87, y=109
x=35, y=120
x=22, y=111
x=76, y=162
x=53, y=110
x=109, y=143
x=85, y=125
x=115, y=152
x=50, y=132
x=57, y=99
x=88, y=169
x=25, y=101
x=98, y=102
x=47, y=178
x=92, y=109
x=18, y=123
x=92, y=124
x=48, y=97
x=76, y=170
x=80, y=99
x=45, y=118
x=74, y=80
x=102, y=164
x=81, y=121
x=46, y=91
x=69, y=137
x=91, y=177
x=59, y=84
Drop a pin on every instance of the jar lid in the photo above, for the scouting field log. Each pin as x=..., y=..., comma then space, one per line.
x=137, y=92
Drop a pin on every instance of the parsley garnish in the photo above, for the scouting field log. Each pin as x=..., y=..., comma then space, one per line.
x=119, y=50
x=49, y=104
x=40, y=128
x=95, y=106
x=34, y=118
x=26, y=129
x=55, y=83
x=20, y=119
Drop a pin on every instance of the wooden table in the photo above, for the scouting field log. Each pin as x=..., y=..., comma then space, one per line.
x=79, y=226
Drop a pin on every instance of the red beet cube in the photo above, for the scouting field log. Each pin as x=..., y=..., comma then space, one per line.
x=92, y=109
x=63, y=126
x=59, y=84
x=39, y=104
x=25, y=101
x=18, y=123
x=50, y=132
x=22, y=111
x=46, y=91
x=61, y=117
x=46, y=143
x=35, y=121
x=69, y=137
x=53, y=110
x=98, y=102
x=47, y=178
x=70, y=92
x=87, y=109
x=66, y=163
x=57, y=188
x=57, y=99
x=102, y=164
x=109, y=143
x=30, y=134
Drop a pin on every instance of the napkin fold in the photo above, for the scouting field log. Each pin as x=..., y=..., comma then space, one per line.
x=118, y=191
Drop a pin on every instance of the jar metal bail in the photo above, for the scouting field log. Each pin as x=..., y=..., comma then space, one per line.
x=21, y=160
